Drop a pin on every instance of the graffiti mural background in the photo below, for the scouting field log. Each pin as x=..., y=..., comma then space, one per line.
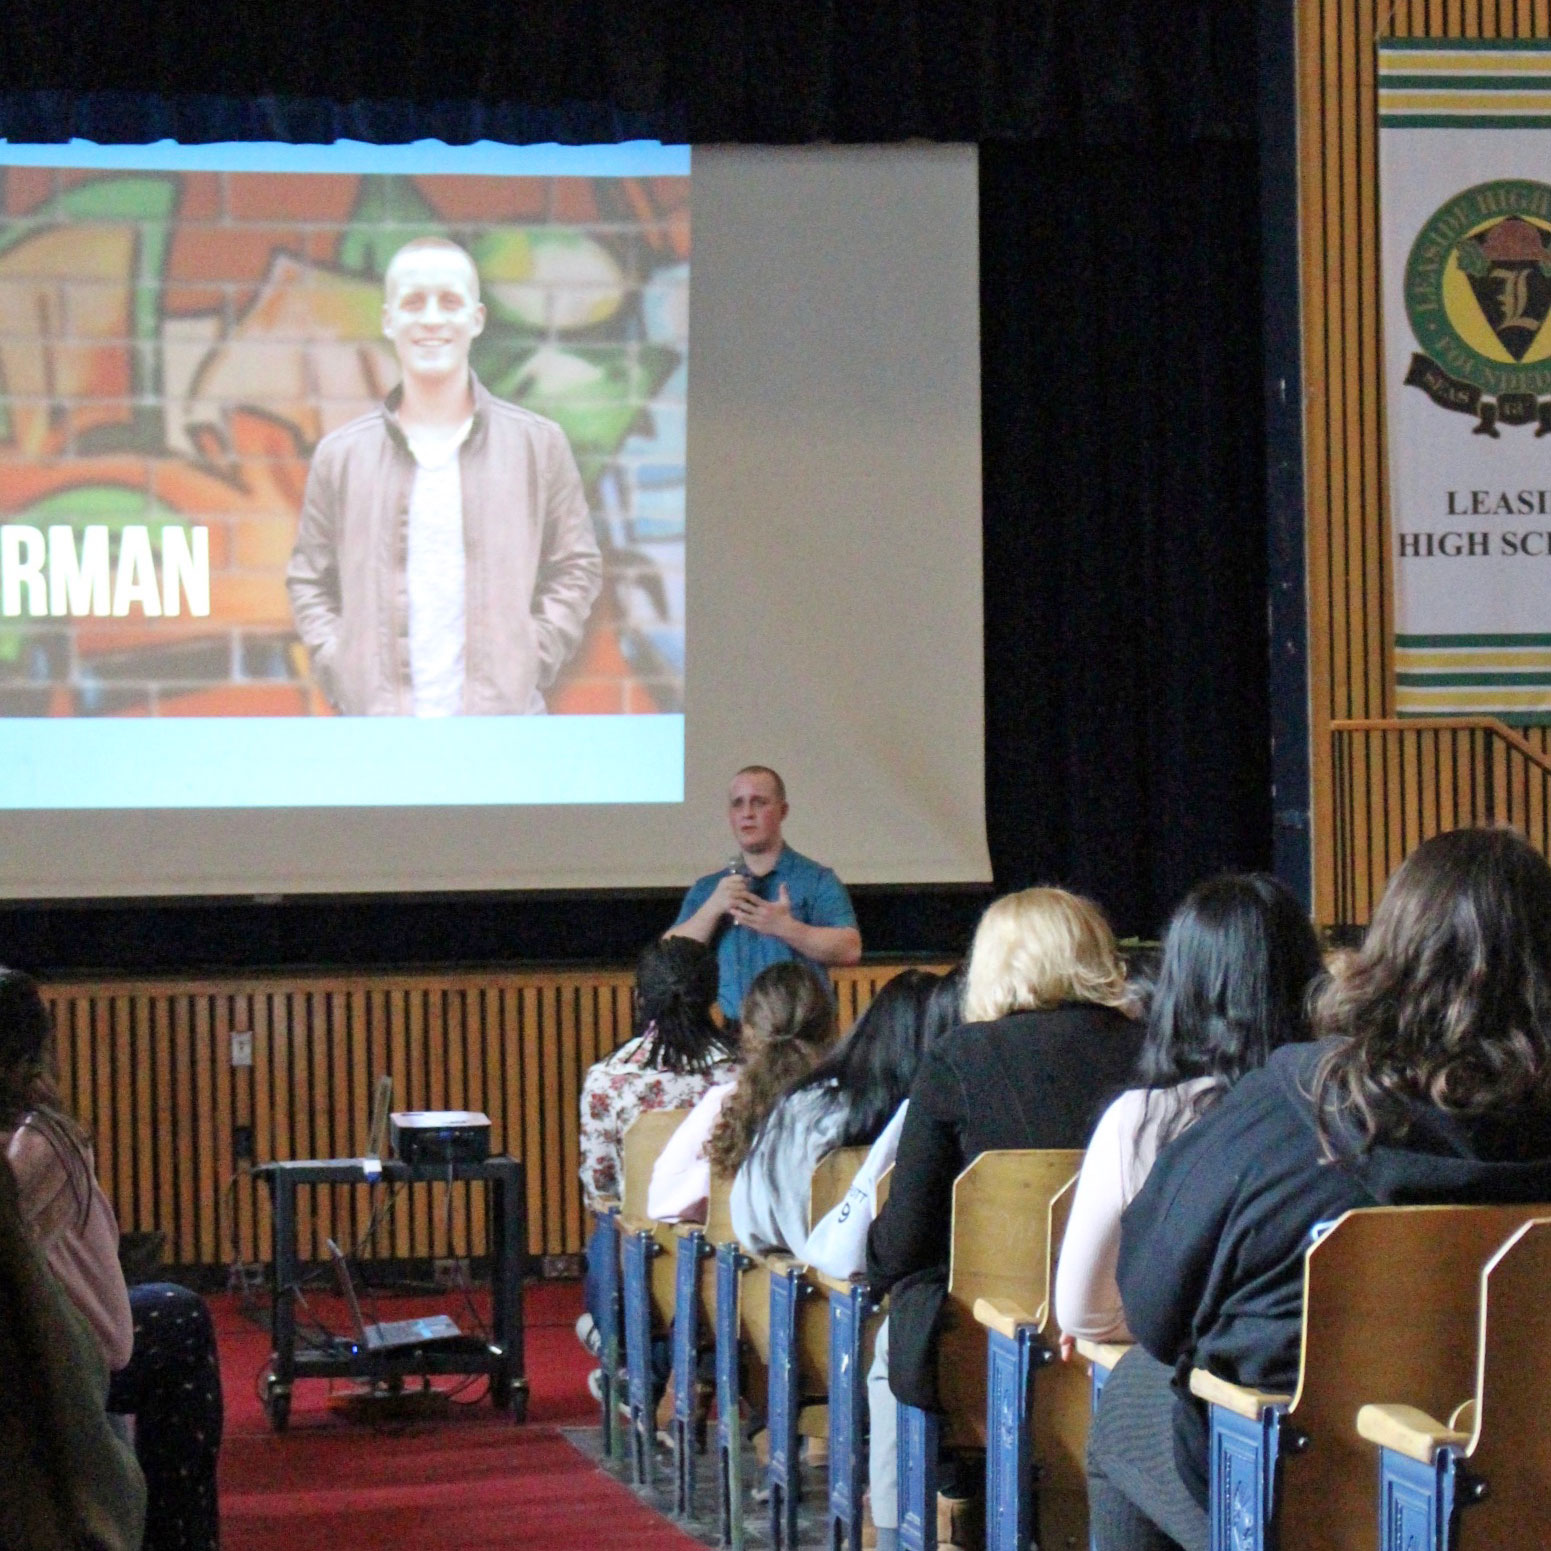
x=173, y=345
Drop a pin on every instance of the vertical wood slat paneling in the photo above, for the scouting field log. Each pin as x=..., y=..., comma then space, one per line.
x=147, y=1067
x=1347, y=496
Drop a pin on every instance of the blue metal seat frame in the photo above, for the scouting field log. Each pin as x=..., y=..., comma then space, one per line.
x=609, y=1332
x=849, y=1312
x=1012, y=1503
x=731, y=1263
x=789, y=1287
x=641, y=1247
x=691, y=1250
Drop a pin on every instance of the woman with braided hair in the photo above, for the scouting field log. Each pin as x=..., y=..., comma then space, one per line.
x=677, y=1053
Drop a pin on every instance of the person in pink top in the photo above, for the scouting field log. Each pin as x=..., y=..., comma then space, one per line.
x=1238, y=962
x=157, y=1340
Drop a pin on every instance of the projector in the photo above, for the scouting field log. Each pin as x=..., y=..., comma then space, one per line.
x=440, y=1136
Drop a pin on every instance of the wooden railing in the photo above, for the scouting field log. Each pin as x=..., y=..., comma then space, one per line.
x=1397, y=783
x=158, y=1072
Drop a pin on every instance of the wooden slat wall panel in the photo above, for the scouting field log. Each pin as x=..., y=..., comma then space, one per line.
x=147, y=1067
x=1350, y=631
x=1416, y=779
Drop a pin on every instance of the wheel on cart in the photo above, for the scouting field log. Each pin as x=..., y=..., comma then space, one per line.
x=510, y=1394
x=277, y=1402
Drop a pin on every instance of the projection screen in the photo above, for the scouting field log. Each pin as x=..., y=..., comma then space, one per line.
x=725, y=461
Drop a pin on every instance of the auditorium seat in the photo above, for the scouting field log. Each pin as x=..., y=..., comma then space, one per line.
x=1389, y=1316
x=1481, y=1479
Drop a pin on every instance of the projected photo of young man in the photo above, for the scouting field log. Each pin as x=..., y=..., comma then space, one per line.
x=446, y=561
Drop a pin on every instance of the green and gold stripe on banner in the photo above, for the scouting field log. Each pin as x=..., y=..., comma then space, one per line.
x=1472, y=85
x=1498, y=675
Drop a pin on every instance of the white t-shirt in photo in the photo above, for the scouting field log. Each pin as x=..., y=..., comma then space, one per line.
x=435, y=572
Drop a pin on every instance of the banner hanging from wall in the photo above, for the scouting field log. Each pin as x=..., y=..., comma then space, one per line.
x=1465, y=196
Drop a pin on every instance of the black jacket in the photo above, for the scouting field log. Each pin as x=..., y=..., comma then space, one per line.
x=1033, y=1079
x=1211, y=1249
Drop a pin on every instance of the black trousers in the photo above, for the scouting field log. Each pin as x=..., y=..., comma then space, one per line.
x=172, y=1388
x=1137, y=1500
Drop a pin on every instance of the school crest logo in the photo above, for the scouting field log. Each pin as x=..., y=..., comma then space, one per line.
x=1478, y=296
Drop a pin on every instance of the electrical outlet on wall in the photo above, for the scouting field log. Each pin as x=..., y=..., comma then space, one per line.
x=242, y=1047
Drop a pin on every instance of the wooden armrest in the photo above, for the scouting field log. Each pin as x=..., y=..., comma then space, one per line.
x=682, y=1230
x=1003, y=1316
x=636, y=1224
x=1407, y=1431
x=827, y=1283
x=606, y=1204
x=779, y=1265
x=1102, y=1354
x=1236, y=1398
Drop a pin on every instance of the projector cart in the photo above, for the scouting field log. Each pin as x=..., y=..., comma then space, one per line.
x=501, y=1357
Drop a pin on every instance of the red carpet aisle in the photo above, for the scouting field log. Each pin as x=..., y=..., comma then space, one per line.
x=476, y=1481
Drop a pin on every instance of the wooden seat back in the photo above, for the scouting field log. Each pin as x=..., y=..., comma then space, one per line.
x=645, y=1138
x=1390, y=1311
x=832, y=1179
x=718, y=1214
x=1063, y=1410
x=1510, y=1448
x=1001, y=1249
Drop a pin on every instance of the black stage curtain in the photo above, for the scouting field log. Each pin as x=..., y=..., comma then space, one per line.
x=699, y=70
x=1126, y=714
x=1127, y=723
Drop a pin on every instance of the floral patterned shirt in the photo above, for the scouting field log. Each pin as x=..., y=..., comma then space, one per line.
x=615, y=1091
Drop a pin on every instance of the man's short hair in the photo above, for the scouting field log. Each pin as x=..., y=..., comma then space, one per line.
x=774, y=775
x=421, y=245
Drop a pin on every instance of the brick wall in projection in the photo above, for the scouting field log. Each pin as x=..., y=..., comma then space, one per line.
x=172, y=346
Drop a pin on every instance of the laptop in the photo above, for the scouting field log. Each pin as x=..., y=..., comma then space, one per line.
x=390, y=1335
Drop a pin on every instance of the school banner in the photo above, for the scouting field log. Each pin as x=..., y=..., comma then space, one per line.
x=1465, y=195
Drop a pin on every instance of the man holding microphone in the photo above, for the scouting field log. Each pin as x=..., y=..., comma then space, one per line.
x=771, y=903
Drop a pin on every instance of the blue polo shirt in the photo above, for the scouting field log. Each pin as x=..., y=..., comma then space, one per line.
x=818, y=898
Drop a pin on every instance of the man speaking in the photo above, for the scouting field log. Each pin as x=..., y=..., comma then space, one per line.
x=772, y=903
x=445, y=562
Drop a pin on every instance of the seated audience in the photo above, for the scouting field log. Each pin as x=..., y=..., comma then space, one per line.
x=1048, y=1039
x=787, y=1027
x=837, y=1246
x=159, y=1338
x=845, y=1101
x=67, y=1479
x=676, y=1054
x=1238, y=963
x=1430, y=1083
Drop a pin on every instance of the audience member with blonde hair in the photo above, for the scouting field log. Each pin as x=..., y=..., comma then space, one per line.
x=1049, y=1038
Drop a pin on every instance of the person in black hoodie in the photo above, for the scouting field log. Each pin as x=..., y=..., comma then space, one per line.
x=1050, y=1037
x=1431, y=1083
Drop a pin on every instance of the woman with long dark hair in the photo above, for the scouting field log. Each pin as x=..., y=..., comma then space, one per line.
x=845, y=1101
x=157, y=1339
x=1238, y=961
x=1429, y=1082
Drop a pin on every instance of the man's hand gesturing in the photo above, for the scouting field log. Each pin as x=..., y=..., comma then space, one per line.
x=768, y=917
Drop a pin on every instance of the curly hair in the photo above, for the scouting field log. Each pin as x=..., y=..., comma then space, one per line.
x=29, y=1094
x=787, y=1027
x=1448, y=1002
